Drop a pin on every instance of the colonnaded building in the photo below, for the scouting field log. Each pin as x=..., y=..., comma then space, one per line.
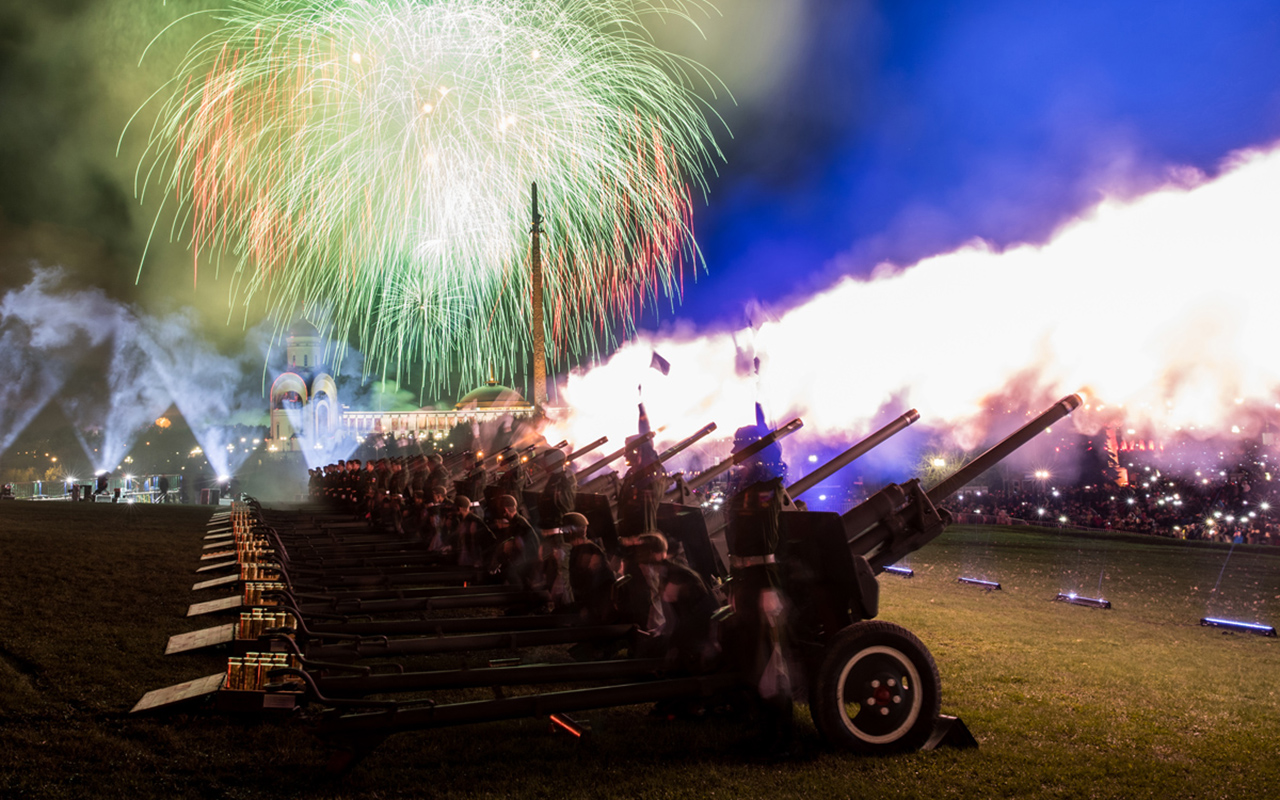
x=306, y=411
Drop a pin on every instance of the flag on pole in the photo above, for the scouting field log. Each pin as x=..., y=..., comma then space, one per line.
x=660, y=364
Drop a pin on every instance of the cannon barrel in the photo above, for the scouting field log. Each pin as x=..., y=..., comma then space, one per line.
x=534, y=454
x=708, y=475
x=594, y=484
x=852, y=454
x=901, y=518
x=579, y=453
x=540, y=483
x=520, y=455
x=675, y=449
x=497, y=454
x=1003, y=449
x=614, y=456
x=452, y=460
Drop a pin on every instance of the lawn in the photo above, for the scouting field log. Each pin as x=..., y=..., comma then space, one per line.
x=1069, y=702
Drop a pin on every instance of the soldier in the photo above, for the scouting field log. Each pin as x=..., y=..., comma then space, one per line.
x=755, y=635
x=366, y=481
x=474, y=482
x=513, y=482
x=472, y=537
x=350, y=480
x=639, y=592
x=555, y=568
x=689, y=607
x=559, y=494
x=517, y=554
x=396, y=486
x=643, y=485
x=591, y=578
x=431, y=523
x=764, y=465
x=437, y=474
x=418, y=487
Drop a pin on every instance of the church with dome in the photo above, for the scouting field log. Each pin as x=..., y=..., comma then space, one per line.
x=304, y=398
x=306, y=411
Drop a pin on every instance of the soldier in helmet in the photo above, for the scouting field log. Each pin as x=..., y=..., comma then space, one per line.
x=643, y=485
x=471, y=536
x=762, y=466
x=437, y=474
x=756, y=633
x=518, y=554
x=559, y=495
x=591, y=578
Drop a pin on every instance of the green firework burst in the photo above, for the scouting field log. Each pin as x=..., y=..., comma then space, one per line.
x=370, y=160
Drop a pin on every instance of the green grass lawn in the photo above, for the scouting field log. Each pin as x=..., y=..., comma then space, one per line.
x=1069, y=702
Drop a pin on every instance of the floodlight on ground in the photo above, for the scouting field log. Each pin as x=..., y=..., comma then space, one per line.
x=988, y=585
x=906, y=572
x=1080, y=600
x=1236, y=625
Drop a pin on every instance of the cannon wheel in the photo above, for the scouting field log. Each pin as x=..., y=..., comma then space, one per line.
x=877, y=690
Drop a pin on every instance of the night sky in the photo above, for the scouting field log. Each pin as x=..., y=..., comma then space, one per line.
x=862, y=132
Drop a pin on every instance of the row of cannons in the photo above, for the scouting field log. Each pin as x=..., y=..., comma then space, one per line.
x=362, y=634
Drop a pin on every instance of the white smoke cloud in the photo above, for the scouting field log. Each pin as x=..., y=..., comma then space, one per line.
x=1161, y=307
x=137, y=367
x=44, y=329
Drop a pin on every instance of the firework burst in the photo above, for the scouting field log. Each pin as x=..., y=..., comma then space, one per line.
x=374, y=157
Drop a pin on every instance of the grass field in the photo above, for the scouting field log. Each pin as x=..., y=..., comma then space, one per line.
x=1067, y=702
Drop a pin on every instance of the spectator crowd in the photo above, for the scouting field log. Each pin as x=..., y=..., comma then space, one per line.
x=1233, y=508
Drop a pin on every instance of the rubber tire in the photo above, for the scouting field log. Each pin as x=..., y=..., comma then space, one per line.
x=887, y=653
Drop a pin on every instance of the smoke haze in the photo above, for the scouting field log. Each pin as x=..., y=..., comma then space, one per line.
x=1159, y=307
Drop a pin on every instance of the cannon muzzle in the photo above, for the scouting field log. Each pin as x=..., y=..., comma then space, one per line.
x=585, y=472
x=540, y=483
x=706, y=476
x=595, y=483
x=970, y=472
x=497, y=455
x=675, y=449
x=852, y=454
x=902, y=518
x=521, y=456
x=579, y=453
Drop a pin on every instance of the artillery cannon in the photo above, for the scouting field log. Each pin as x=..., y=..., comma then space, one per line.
x=873, y=686
x=541, y=482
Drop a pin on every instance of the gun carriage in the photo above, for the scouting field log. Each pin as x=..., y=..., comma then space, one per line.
x=343, y=601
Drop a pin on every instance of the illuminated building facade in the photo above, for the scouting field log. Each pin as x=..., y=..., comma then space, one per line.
x=304, y=398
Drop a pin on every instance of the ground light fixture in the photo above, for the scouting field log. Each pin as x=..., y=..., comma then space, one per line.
x=905, y=572
x=988, y=585
x=1080, y=600
x=1236, y=625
